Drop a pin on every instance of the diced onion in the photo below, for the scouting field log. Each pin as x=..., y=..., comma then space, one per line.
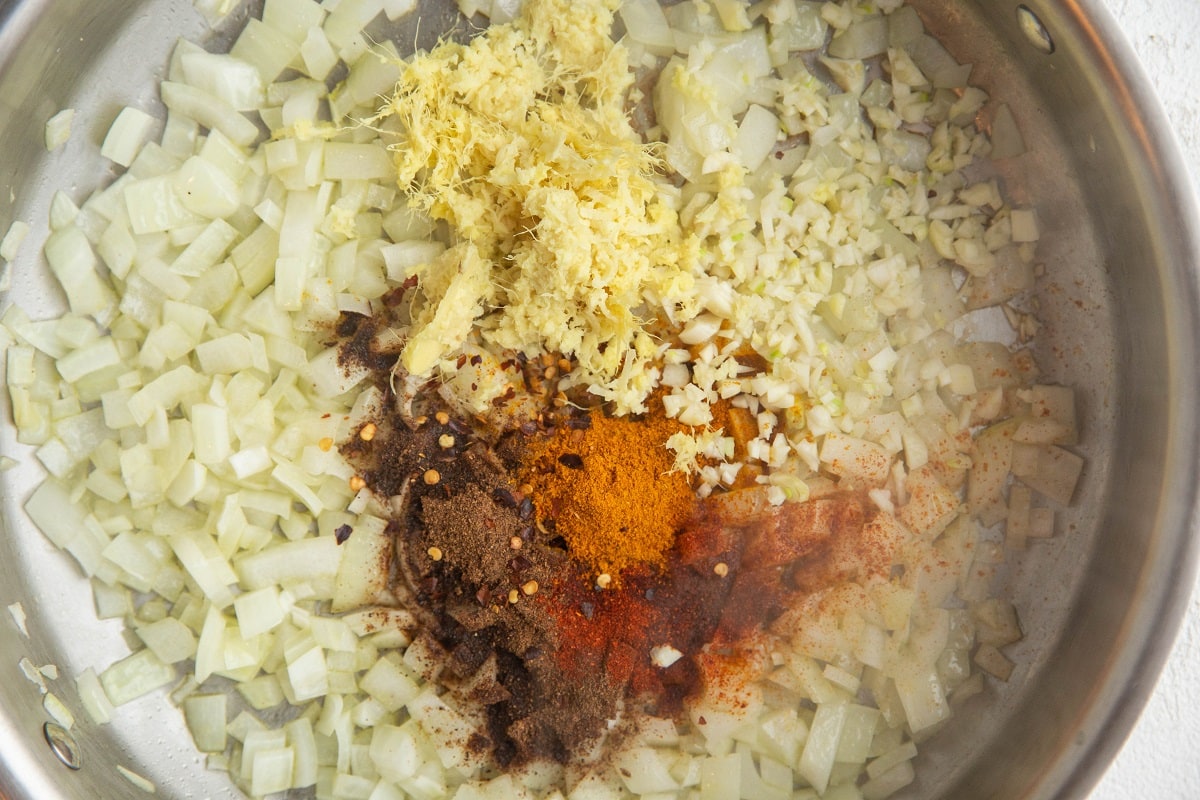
x=134, y=676
x=206, y=720
x=128, y=133
x=137, y=780
x=58, y=128
x=12, y=240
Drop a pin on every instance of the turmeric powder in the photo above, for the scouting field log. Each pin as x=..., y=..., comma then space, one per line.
x=610, y=490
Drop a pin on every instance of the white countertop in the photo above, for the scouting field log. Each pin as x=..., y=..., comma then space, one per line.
x=1160, y=760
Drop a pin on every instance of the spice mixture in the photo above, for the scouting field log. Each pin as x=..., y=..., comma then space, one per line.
x=567, y=574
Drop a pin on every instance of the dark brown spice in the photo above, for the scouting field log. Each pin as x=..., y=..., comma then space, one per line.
x=471, y=518
x=535, y=717
x=504, y=496
x=359, y=347
x=571, y=460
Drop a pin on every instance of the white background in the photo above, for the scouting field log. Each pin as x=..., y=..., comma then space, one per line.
x=1161, y=760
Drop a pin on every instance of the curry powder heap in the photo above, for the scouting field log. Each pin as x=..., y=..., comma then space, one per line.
x=610, y=490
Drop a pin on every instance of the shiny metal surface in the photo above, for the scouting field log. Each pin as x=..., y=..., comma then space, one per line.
x=1157, y=759
x=1121, y=306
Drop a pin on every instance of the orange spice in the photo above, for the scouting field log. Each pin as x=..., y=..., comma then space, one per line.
x=610, y=490
x=739, y=424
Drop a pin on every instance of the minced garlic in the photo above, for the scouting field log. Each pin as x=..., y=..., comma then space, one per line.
x=567, y=240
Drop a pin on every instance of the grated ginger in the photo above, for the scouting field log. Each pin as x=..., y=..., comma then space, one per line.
x=568, y=240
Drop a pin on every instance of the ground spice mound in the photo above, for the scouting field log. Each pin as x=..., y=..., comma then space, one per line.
x=470, y=563
x=610, y=491
x=526, y=631
x=481, y=591
x=566, y=577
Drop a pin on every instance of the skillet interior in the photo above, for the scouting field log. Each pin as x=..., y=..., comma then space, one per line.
x=1098, y=603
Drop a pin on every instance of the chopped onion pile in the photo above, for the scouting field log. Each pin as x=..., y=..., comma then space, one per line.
x=183, y=406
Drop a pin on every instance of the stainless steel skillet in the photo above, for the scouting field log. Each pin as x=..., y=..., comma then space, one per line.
x=1119, y=300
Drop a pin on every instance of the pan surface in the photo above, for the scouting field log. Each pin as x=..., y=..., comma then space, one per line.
x=1119, y=305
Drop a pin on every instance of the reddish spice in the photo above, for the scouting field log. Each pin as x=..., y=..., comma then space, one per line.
x=611, y=632
x=793, y=549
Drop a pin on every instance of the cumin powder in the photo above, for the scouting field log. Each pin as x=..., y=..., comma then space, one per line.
x=609, y=490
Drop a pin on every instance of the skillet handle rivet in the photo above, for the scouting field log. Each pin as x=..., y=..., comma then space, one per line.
x=63, y=745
